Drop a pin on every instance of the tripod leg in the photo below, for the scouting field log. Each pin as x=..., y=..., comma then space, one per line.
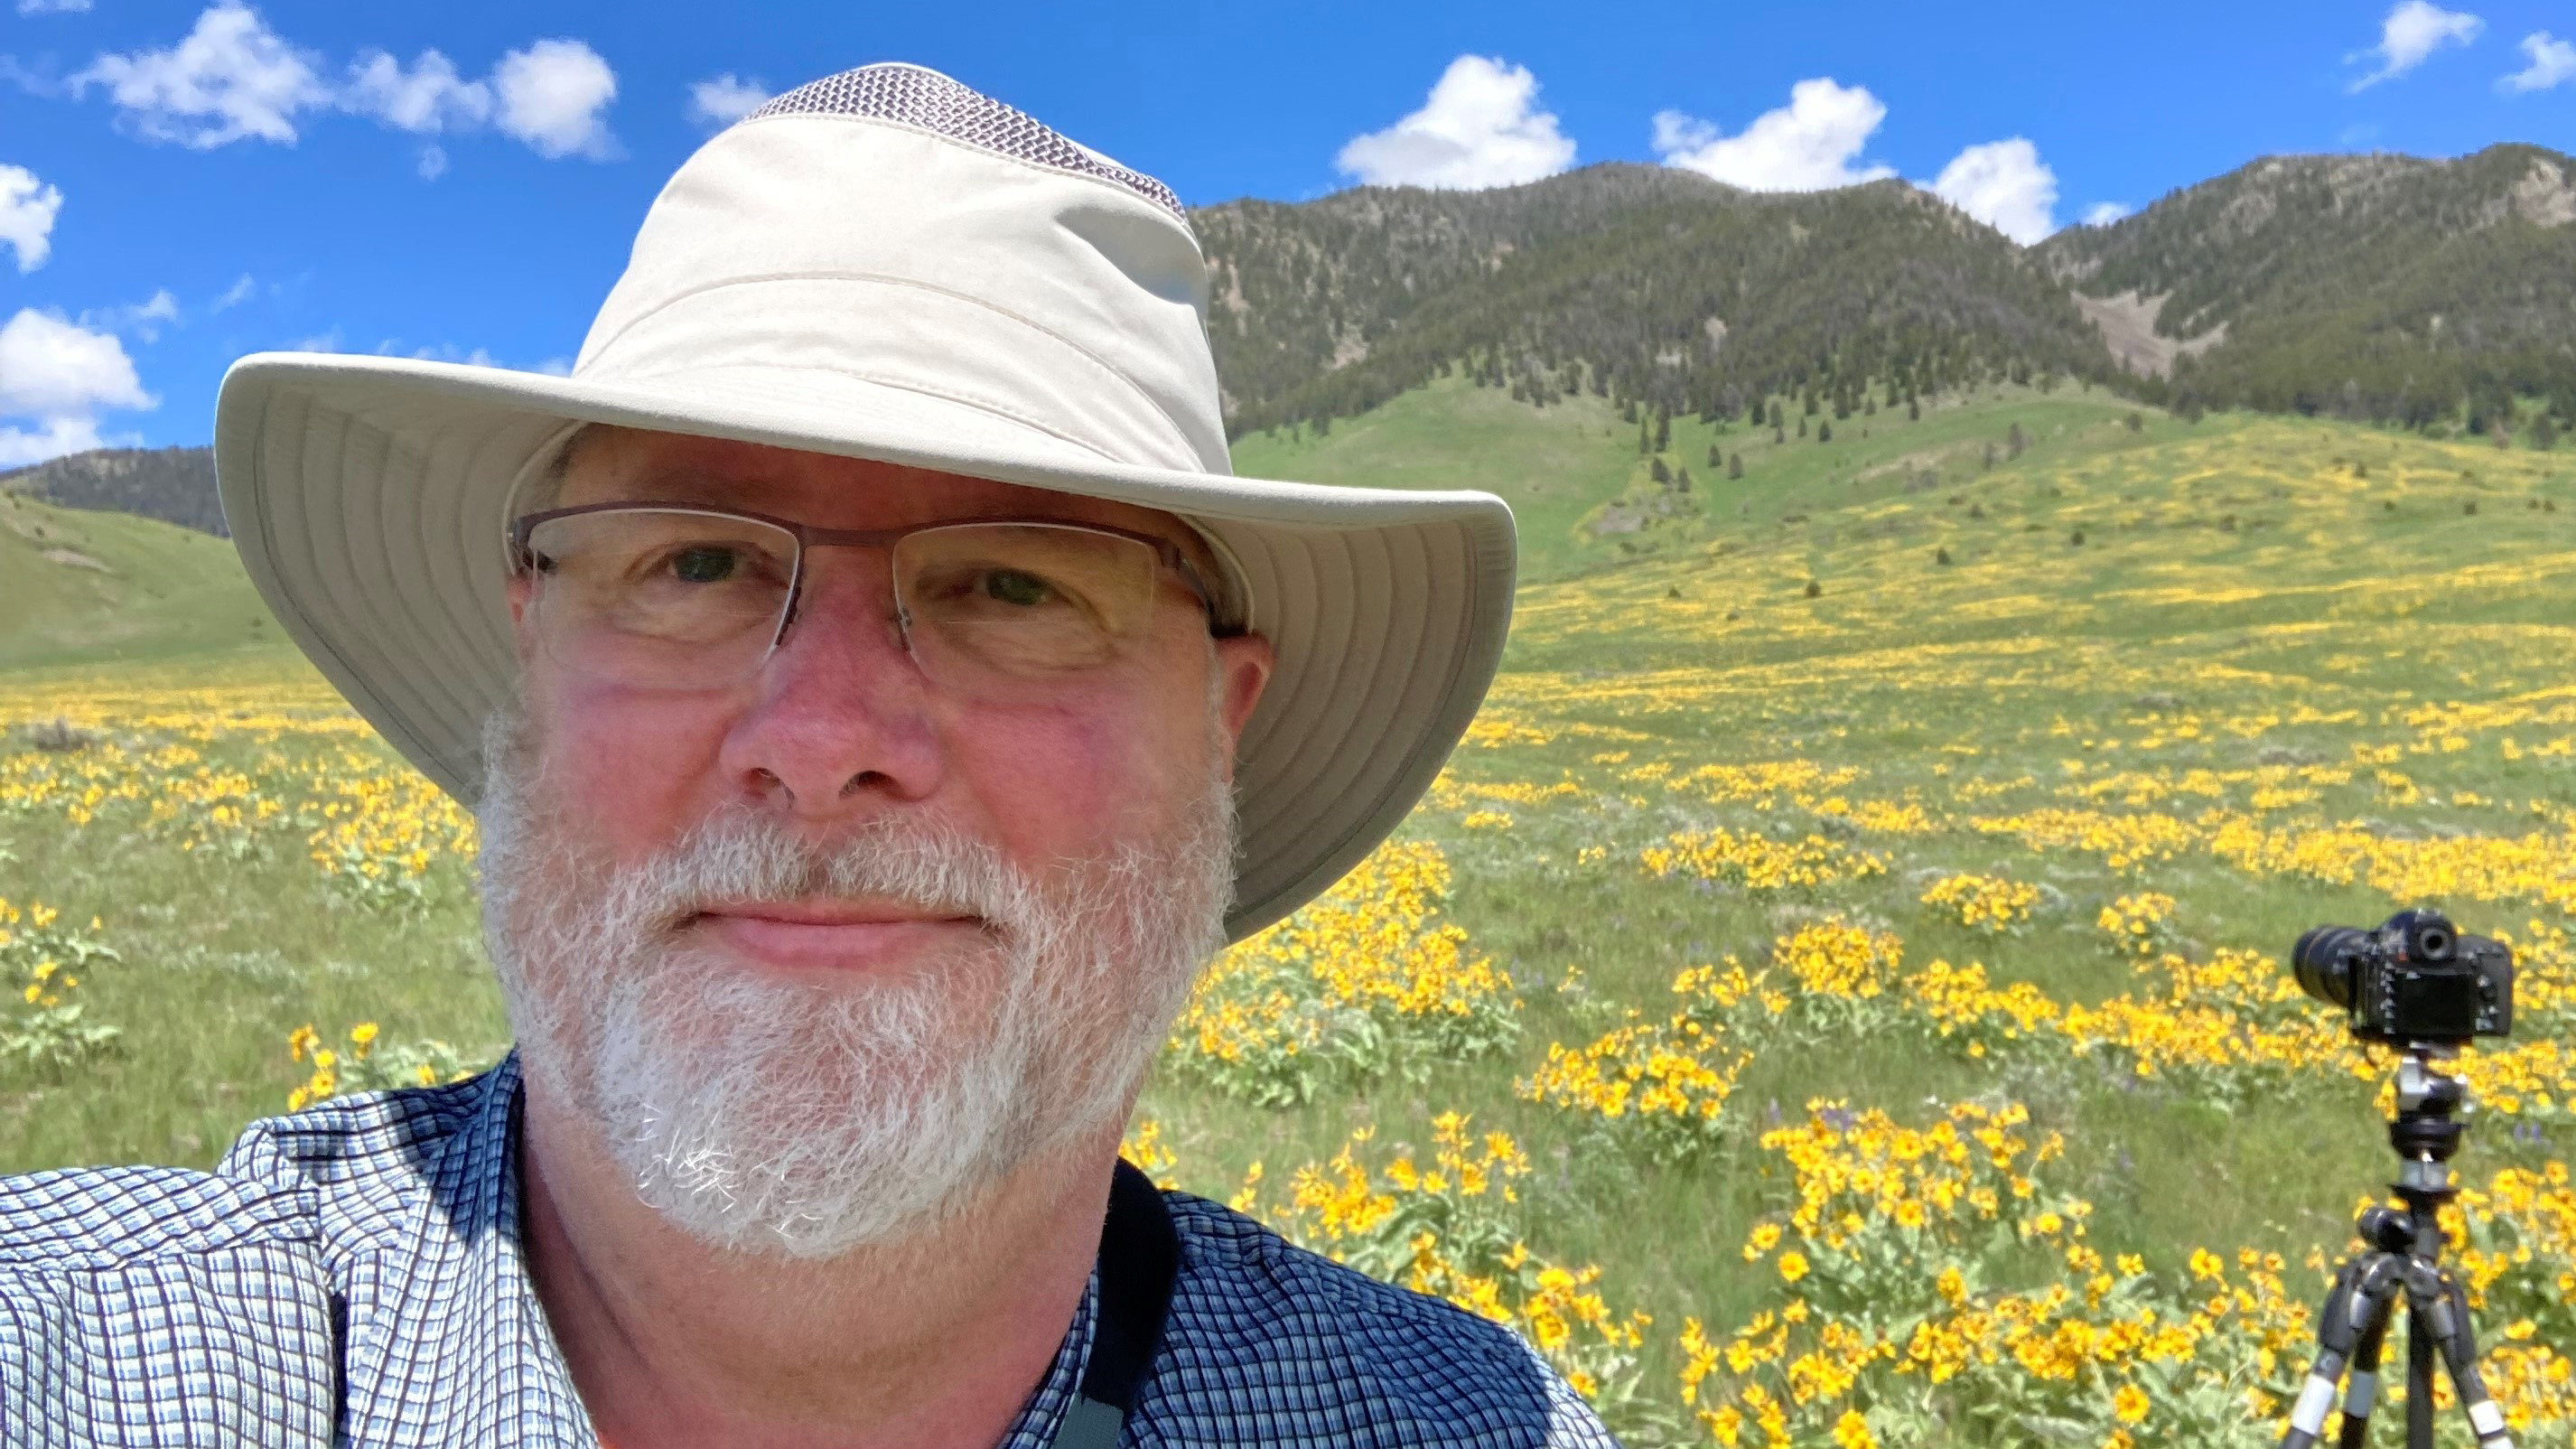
x=2441, y=1306
x=2356, y=1311
x=2419, y=1380
x=2361, y=1387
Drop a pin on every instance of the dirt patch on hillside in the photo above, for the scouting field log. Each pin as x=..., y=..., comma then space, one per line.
x=2127, y=322
x=1925, y=460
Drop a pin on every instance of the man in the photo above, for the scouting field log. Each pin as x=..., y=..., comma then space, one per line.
x=879, y=700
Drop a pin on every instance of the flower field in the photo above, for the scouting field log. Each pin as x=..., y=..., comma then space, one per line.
x=1848, y=1016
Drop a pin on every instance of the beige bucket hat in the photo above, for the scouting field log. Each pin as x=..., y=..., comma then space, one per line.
x=883, y=264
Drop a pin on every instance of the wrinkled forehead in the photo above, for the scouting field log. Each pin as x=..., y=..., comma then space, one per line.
x=604, y=463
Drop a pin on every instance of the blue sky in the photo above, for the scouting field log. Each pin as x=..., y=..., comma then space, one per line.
x=182, y=183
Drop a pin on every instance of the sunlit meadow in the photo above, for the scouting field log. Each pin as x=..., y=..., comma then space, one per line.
x=1836, y=995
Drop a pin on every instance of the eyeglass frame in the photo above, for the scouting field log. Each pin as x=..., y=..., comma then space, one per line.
x=523, y=557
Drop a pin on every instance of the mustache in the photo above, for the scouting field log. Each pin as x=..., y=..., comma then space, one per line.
x=736, y=855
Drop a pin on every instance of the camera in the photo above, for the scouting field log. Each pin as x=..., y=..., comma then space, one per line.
x=2411, y=979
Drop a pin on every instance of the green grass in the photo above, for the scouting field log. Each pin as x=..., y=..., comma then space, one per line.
x=84, y=586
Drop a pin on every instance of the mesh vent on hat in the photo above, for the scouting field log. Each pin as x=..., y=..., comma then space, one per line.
x=926, y=100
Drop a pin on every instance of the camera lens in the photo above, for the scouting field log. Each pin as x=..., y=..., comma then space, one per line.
x=2323, y=962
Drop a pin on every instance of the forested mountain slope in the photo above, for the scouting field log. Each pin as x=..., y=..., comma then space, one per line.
x=2381, y=287
x=1633, y=282
x=175, y=485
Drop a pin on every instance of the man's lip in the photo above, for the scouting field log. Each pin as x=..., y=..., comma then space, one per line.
x=829, y=913
x=833, y=936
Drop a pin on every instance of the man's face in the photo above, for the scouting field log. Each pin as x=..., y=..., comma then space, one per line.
x=825, y=951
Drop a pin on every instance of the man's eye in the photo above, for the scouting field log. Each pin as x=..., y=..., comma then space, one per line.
x=1010, y=586
x=704, y=564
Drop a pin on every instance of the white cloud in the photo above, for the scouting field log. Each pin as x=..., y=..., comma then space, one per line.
x=232, y=77
x=144, y=318
x=554, y=367
x=318, y=342
x=426, y=99
x=1810, y=144
x=439, y=352
x=27, y=211
x=2553, y=63
x=1477, y=129
x=725, y=99
x=235, y=79
x=52, y=7
x=2413, y=30
x=60, y=375
x=552, y=94
x=234, y=295
x=52, y=438
x=2103, y=213
x=2005, y=185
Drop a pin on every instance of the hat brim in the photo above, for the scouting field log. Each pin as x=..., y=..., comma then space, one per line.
x=368, y=496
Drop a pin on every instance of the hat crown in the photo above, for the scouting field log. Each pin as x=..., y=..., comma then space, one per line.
x=891, y=225
x=917, y=96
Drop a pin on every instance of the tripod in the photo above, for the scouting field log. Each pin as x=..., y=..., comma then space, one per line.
x=2403, y=1257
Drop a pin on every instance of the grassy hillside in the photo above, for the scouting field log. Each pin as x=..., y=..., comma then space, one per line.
x=2007, y=780
x=1564, y=466
x=83, y=586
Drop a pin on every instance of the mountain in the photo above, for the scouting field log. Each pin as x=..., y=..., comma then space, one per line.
x=1644, y=284
x=175, y=485
x=2380, y=287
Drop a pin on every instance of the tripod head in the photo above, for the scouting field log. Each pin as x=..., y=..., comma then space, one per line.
x=2424, y=1134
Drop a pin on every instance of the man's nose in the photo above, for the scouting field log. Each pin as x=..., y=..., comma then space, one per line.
x=840, y=720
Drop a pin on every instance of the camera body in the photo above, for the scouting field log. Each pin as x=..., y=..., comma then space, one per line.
x=2410, y=979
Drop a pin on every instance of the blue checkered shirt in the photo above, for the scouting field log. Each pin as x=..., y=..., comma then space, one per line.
x=352, y=1274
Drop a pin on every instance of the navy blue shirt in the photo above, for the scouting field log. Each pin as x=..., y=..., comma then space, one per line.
x=353, y=1274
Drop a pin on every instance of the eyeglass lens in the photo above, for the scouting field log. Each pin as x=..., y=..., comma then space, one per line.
x=672, y=598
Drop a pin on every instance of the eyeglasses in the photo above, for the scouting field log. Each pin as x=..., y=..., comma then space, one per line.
x=670, y=596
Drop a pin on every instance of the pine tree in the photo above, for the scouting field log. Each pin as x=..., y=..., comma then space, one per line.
x=1775, y=415
x=1660, y=473
x=1681, y=481
x=1663, y=430
x=1645, y=440
x=1735, y=465
x=2015, y=441
x=1714, y=459
x=1913, y=411
x=1824, y=431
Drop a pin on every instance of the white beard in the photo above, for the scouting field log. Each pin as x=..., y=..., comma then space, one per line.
x=811, y=1119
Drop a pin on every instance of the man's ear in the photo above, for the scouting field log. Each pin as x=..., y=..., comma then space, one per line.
x=1243, y=665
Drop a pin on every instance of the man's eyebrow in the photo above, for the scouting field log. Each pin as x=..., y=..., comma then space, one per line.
x=668, y=483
